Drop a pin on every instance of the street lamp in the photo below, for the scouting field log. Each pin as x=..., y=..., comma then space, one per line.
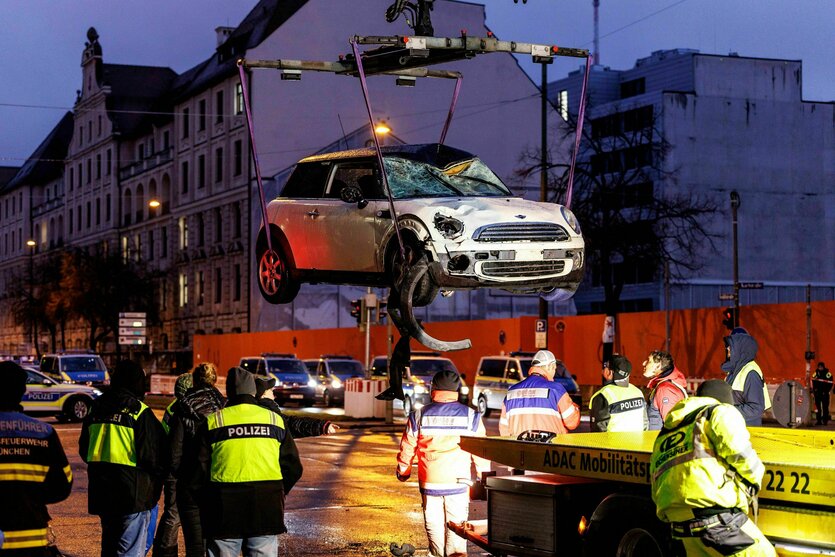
x=153, y=203
x=30, y=243
x=735, y=202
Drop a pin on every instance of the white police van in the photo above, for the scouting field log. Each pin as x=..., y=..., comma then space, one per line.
x=46, y=397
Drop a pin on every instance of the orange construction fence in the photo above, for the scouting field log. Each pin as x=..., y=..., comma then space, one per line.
x=696, y=340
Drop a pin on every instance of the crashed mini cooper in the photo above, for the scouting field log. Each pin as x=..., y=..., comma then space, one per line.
x=333, y=224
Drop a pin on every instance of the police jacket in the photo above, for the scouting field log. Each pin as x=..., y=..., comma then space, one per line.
x=702, y=459
x=536, y=403
x=247, y=462
x=33, y=472
x=618, y=406
x=127, y=456
x=432, y=436
x=665, y=392
x=746, y=379
x=822, y=381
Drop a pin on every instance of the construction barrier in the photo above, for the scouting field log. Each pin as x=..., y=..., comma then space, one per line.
x=360, y=401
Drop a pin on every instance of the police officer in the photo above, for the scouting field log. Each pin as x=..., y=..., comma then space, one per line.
x=248, y=462
x=33, y=471
x=618, y=406
x=127, y=456
x=667, y=385
x=822, y=385
x=705, y=475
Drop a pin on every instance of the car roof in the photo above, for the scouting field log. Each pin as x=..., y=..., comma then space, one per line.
x=435, y=154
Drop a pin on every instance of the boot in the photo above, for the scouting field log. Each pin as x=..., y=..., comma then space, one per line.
x=390, y=394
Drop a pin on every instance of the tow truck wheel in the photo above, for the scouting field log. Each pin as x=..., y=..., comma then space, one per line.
x=76, y=409
x=274, y=273
x=638, y=542
x=482, y=406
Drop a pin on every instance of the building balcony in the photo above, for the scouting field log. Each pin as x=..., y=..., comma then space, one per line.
x=149, y=163
x=47, y=206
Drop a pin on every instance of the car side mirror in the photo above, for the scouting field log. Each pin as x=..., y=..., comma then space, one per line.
x=46, y=382
x=352, y=194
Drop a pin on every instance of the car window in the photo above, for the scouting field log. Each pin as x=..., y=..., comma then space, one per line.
x=82, y=363
x=379, y=366
x=249, y=364
x=492, y=368
x=35, y=378
x=468, y=178
x=360, y=175
x=346, y=367
x=431, y=366
x=307, y=181
x=526, y=366
x=285, y=365
x=311, y=365
x=47, y=364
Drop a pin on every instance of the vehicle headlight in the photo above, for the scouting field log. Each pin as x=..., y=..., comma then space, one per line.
x=311, y=383
x=420, y=389
x=449, y=227
x=336, y=383
x=465, y=390
x=97, y=392
x=570, y=219
x=278, y=382
x=66, y=378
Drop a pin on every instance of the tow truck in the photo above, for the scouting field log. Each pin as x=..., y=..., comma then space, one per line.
x=589, y=494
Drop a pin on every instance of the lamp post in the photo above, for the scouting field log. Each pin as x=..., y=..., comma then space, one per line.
x=735, y=202
x=31, y=244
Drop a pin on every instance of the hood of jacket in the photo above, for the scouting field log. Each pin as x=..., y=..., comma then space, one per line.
x=674, y=375
x=743, y=350
x=685, y=408
x=197, y=404
x=115, y=400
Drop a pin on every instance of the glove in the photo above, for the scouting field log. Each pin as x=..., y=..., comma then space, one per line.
x=401, y=477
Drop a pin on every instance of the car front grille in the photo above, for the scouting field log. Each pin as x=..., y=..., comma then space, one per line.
x=521, y=232
x=514, y=269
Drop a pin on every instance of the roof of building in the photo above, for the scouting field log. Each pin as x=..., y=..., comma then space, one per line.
x=6, y=174
x=47, y=161
x=137, y=95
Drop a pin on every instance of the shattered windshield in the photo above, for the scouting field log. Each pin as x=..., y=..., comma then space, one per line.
x=468, y=178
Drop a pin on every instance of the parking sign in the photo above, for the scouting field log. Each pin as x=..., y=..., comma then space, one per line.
x=541, y=333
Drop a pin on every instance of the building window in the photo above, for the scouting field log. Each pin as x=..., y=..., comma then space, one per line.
x=200, y=286
x=239, y=160
x=218, y=226
x=72, y=178
x=184, y=177
x=237, y=294
x=89, y=215
x=90, y=130
x=78, y=218
x=137, y=248
x=201, y=171
x=166, y=141
x=109, y=162
x=236, y=219
x=125, y=248
x=183, y=290
x=219, y=107
x=185, y=123
x=239, y=99
x=219, y=164
x=140, y=152
x=98, y=211
x=80, y=136
x=98, y=167
x=70, y=222
x=99, y=125
x=201, y=229
x=163, y=296
x=218, y=284
x=150, y=245
x=201, y=115
x=107, y=208
x=89, y=171
x=183, y=224
x=632, y=88
x=163, y=242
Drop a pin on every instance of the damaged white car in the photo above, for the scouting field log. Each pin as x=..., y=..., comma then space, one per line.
x=332, y=223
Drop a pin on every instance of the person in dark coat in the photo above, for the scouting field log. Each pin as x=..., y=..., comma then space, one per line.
x=822, y=385
x=242, y=504
x=745, y=376
x=189, y=414
x=298, y=426
x=127, y=456
x=27, y=444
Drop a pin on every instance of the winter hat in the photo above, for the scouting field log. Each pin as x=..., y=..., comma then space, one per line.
x=718, y=389
x=543, y=358
x=12, y=384
x=620, y=366
x=239, y=382
x=263, y=384
x=129, y=375
x=446, y=380
x=183, y=384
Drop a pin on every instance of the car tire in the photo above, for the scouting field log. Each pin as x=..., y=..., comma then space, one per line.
x=407, y=407
x=76, y=408
x=426, y=290
x=273, y=272
x=482, y=406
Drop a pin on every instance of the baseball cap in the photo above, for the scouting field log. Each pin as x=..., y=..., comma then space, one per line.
x=446, y=380
x=543, y=358
x=620, y=366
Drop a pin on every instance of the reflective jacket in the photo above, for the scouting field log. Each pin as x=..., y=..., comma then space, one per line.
x=822, y=381
x=750, y=392
x=33, y=472
x=618, y=408
x=703, y=458
x=432, y=436
x=536, y=403
x=168, y=416
x=127, y=455
x=247, y=462
x=665, y=392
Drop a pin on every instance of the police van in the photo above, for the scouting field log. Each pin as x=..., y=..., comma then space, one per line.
x=47, y=397
x=75, y=367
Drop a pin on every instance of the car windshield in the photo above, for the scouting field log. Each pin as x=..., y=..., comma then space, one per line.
x=430, y=367
x=468, y=178
x=286, y=366
x=379, y=366
x=526, y=365
x=82, y=363
x=346, y=367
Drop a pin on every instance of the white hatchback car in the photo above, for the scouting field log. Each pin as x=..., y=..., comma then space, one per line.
x=332, y=223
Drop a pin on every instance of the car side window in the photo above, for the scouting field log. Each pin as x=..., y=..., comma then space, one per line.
x=360, y=175
x=32, y=379
x=307, y=181
x=513, y=371
x=492, y=368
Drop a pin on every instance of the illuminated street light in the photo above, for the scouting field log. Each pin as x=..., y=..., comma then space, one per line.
x=153, y=203
x=31, y=243
x=382, y=129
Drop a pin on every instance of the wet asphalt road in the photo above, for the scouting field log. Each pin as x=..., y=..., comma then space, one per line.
x=347, y=503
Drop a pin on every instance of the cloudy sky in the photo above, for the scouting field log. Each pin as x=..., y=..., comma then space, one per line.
x=42, y=40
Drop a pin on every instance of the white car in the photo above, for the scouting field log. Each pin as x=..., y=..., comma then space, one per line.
x=46, y=397
x=332, y=223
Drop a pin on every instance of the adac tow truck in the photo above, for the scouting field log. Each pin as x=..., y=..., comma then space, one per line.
x=593, y=495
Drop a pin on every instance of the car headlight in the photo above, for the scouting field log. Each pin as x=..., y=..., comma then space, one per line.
x=570, y=219
x=278, y=382
x=336, y=383
x=420, y=389
x=312, y=383
x=449, y=227
x=97, y=392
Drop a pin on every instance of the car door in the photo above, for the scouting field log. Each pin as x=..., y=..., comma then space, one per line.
x=40, y=394
x=298, y=213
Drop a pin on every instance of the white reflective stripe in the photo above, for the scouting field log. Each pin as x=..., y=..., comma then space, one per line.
x=503, y=420
x=460, y=422
x=527, y=393
x=571, y=410
x=530, y=411
x=450, y=485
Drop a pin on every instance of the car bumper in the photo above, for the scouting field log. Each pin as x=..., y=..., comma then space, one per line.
x=294, y=394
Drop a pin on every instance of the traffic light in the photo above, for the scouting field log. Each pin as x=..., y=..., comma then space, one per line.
x=729, y=319
x=356, y=310
x=382, y=312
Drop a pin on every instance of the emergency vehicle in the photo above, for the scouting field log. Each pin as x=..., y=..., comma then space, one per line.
x=46, y=397
x=591, y=495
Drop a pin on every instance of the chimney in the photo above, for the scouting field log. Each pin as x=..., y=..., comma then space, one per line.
x=223, y=34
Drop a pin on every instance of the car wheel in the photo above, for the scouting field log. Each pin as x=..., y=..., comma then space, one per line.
x=482, y=406
x=407, y=406
x=274, y=280
x=76, y=408
x=426, y=289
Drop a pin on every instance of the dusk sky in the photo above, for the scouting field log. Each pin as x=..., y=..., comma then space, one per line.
x=42, y=41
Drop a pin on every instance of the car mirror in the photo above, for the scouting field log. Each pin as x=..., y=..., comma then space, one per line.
x=46, y=382
x=352, y=194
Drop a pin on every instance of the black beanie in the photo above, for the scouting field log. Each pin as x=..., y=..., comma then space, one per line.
x=446, y=380
x=718, y=389
x=129, y=375
x=239, y=382
x=12, y=385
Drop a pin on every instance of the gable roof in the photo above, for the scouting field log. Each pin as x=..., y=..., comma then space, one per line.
x=47, y=161
x=134, y=92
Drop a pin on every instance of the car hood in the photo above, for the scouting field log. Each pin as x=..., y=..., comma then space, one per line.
x=292, y=377
x=92, y=392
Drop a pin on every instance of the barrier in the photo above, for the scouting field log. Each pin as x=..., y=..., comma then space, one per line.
x=360, y=401
x=163, y=384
